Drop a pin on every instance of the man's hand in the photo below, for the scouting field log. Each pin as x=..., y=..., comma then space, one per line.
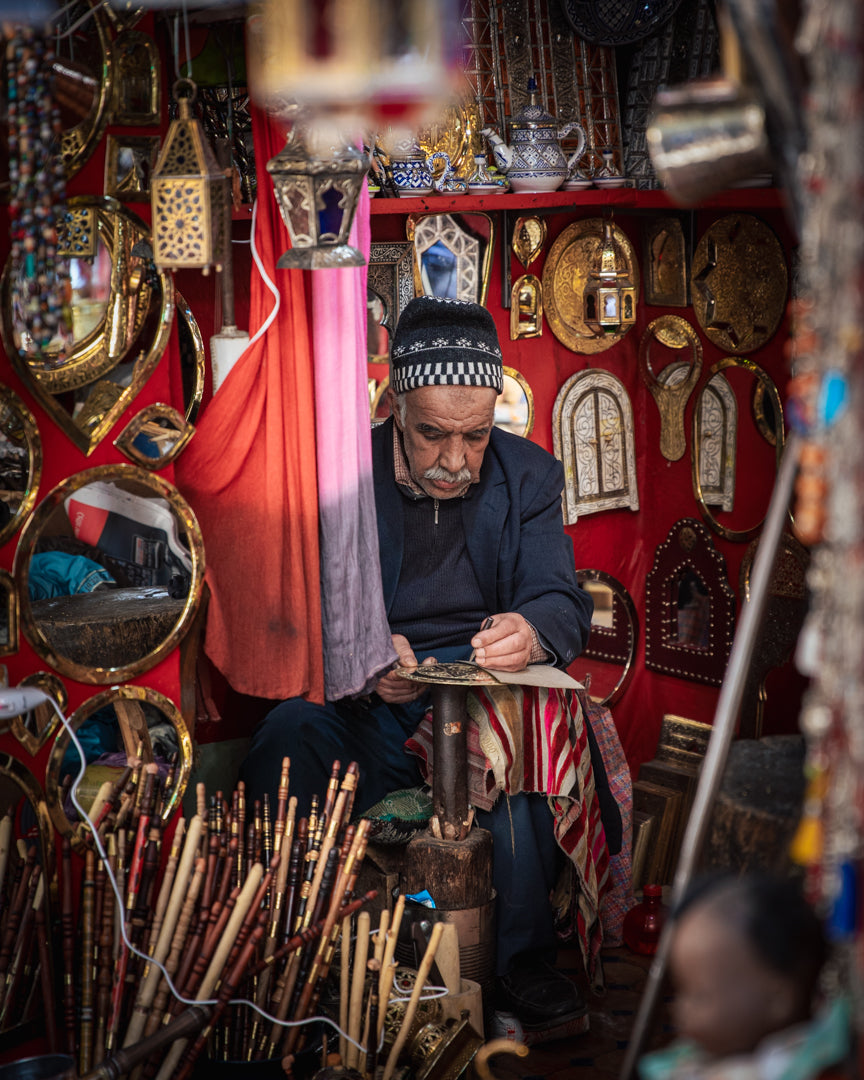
x=391, y=687
x=506, y=644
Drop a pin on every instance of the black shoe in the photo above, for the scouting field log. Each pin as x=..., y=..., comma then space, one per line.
x=541, y=998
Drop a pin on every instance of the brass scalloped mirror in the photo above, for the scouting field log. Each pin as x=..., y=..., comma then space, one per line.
x=605, y=665
x=109, y=571
x=20, y=462
x=34, y=728
x=116, y=724
x=752, y=395
x=155, y=436
x=121, y=318
x=26, y=843
x=452, y=254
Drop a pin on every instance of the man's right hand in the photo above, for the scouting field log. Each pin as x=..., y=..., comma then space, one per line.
x=391, y=687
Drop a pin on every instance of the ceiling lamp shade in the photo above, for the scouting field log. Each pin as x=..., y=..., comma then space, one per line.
x=187, y=194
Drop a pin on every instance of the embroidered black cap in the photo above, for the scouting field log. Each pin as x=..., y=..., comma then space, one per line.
x=444, y=342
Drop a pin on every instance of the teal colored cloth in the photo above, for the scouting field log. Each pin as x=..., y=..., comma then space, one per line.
x=54, y=573
x=800, y=1053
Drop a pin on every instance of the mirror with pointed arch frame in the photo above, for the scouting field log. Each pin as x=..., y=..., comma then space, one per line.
x=122, y=309
x=102, y=723
x=34, y=728
x=768, y=403
x=155, y=436
x=452, y=254
x=613, y=638
x=20, y=462
x=123, y=575
x=25, y=817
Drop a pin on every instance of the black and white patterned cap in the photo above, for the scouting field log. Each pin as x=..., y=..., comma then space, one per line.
x=444, y=342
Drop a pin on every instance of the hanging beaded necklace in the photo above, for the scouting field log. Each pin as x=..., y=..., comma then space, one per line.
x=40, y=282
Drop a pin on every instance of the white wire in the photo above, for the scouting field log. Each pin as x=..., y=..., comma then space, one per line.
x=97, y=840
x=265, y=326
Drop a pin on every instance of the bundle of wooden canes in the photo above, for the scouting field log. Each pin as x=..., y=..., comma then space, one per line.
x=246, y=906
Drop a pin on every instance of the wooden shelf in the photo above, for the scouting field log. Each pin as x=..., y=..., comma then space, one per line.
x=745, y=198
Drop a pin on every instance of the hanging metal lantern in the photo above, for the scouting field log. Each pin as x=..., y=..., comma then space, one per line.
x=187, y=193
x=317, y=196
x=610, y=297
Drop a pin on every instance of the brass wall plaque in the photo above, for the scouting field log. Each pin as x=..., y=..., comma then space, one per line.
x=567, y=270
x=739, y=283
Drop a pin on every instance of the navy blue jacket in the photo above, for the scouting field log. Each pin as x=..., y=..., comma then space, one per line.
x=515, y=533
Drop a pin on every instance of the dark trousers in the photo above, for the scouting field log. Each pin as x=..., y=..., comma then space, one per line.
x=526, y=856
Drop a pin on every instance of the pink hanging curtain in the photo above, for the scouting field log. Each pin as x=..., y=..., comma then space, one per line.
x=250, y=476
x=357, y=644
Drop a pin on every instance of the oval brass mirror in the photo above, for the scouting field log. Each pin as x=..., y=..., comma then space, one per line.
x=118, y=724
x=606, y=664
x=193, y=359
x=514, y=406
x=109, y=571
x=748, y=392
x=20, y=462
x=122, y=308
x=26, y=845
x=452, y=254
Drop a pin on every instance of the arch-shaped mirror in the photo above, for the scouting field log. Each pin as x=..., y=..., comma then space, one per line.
x=121, y=318
x=452, y=254
x=391, y=279
x=8, y=614
x=754, y=451
x=155, y=436
x=112, y=726
x=20, y=462
x=193, y=359
x=606, y=663
x=34, y=728
x=109, y=571
x=26, y=842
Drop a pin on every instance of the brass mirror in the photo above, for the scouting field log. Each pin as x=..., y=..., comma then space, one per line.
x=34, y=728
x=121, y=318
x=390, y=281
x=116, y=724
x=193, y=359
x=452, y=254
x=514, y=406
x=83, y=78
x=26, y=843
x=155, y=436
x=8, y=614
x=606, y=663
x=109, y=572
x=20, y=462
x=749, y=392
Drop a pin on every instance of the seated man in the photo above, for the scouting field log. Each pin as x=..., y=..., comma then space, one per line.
x=469, y=526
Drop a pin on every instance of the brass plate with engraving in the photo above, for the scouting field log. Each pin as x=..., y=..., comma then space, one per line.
x=567, y=270
x=739, y=283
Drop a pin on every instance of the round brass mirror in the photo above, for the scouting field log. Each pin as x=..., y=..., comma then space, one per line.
x=109, y=571
x=117, y=724
x=606, y=664
x=122, y=309
x=20, y=462
x=725, y=446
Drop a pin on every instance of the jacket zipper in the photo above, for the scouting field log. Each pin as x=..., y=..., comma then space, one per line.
x=435, y=504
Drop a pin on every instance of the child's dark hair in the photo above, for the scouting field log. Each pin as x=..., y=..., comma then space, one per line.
x=778, y=922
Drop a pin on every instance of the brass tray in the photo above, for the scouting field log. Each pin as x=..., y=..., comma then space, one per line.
x=566, y=272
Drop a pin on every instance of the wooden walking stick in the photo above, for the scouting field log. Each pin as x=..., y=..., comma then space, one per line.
x=358, y=984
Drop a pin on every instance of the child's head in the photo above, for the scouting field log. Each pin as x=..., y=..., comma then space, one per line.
x=745, y=959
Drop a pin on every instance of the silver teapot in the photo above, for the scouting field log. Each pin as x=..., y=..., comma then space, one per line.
x=534, y=160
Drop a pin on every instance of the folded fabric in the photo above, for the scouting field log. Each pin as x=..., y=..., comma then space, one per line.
x=54, y=573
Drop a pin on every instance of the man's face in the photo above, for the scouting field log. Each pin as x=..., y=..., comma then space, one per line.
x=445, y=432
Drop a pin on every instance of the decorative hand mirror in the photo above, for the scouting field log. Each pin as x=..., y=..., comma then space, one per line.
x=109, y=572
x=112, y=727
x=748, y=391
x=26, y=847
x=689, y=606
x=155, y=436
x=121, y=317
x=606, y=663
x=20, y=462
x=452, y=254
x=34, y=728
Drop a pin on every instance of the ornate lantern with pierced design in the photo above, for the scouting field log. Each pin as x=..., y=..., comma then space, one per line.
x=317, y=197
x=187, y=194
x=610, y=297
